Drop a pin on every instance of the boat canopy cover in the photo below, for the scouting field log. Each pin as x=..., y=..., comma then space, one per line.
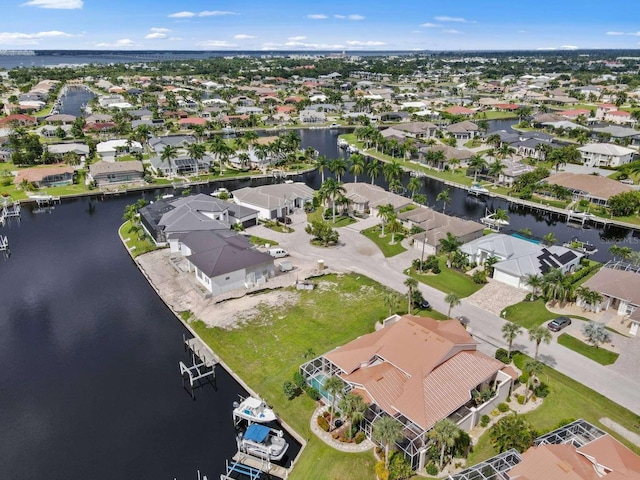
x=252, y=402
x=256, y=433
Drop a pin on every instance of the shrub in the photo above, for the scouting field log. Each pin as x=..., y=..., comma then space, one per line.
x=502, y=355
x=484, y=420
x=290, y=390
x=399, y=467
x=326, y=414
x=479, y=277
x=521, y=399
x=313, y=393
x=495, y=412
x=541, y=390
x=503, y=407
x=563, y=422
x=381, y=472
x=298, y=379
x=524, y=378
x=431, y=468
x=436, y=269
x=360, y=437
x=534, y=398
x=508, y=399
x=322, y=423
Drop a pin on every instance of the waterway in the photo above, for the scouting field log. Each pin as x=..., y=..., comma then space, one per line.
x=74, y=101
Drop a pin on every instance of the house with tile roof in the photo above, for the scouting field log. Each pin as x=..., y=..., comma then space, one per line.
x=417, y=370
x=596, y=189
x=111, y=173
x=50, y=176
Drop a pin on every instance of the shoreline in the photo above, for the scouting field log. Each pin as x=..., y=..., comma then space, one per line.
x=303, y=442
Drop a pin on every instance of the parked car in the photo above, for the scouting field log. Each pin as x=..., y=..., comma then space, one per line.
x=278, y=252
x=559, y=323
x=284, y=220
x=464, y=321
x=423, y=304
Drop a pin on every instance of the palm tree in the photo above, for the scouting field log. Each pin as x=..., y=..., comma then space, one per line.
x=412, y=285
x=414, y=185
x=501, y=214
x=493, y=139
x=512, y=431
x=477, y=164
x=453, y=299
x=535, y=281
x=353, y=408
x=357, y=166
x=384, y=212
x=444, y=197
x=505, y=150
x=390, y=300
x=332, y=190
x=392, y=171
x=533, y=368
x=387, y=430
x=373, y=169
x=550, y=239
x=333, y=385
x=321, y=163
x=509, y=332
x=624, y=253
x=394, y=226
x=539, y=334
x=444, y=433
x=495, y=169
x=196, y=152
x=169, y=152
x=590, y=298
x=338, y=166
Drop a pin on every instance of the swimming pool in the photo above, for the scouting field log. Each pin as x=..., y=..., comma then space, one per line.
x=317, y=382
x=528, y=239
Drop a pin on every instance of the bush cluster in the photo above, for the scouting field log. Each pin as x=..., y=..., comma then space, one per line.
x=502, y=355
x=431, y=468
x=521, y=399
x=541, y=390
x=313, y=393
x=484, y=420
x=323, y=423
x=503, y=407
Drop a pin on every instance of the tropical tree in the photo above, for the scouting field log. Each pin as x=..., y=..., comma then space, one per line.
x=333, y=385
x=444, y=433
x=353, y=407
x=453, y=300
x=414, y=185
x=539, y=334
x=412, y=285
x=550, y=239
x=357, y=166
x=533, y=368
x=321, y=163
x=392, y=171
x=596, y=333
x=169, y=152
x=556, y=286
x=420, y=198
x=444, y=197
x=394, y=226
x=477, y=164
x=623, y=253
x=493, y=139
x=390, y=300
x=331, y=190
x=509, y=332
x=196, y=152
x=385, y=212
x=495, y=169
x=387, y=430
x=501, y=215
x=590, y=298
x=512, y=431
x=338, y=166
x=373, y=169
x=535, y=281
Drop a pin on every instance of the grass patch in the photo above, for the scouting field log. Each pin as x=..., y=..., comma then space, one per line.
x=341, y=220
x=136, y=242
x=473, y=143
x=448, y=280
x=529, y=314
x=384, y=243
x=259, y=241
x=567, y=399
x=267, y=350
x=600, y=355
x=495, y=115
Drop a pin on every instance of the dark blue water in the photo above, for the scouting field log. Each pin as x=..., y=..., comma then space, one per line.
x=74, y=101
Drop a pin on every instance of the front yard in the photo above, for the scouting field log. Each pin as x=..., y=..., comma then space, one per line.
x=387, y=248
x=448, y=280
x=600, y=355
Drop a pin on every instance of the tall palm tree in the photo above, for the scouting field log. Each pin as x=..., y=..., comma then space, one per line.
x=357, y=166
x=387, y=430
x=539, y=334
x=444, y=433
x=353, y=408
x=385, y=212
x=495, y=169
x=196, y=152
x=338, y=166
x=394, y=226
x=333, y=385
x=390, y=300
x=373, y=169
x=493, y=139
x=533, y=368
x=415, y=183
x=169, y=152
x=392, y=171
x=535, y=281
x=444, y=197
x=624, y=253
x=453, y=300
x=321, y=163
x=509, y=332
x=477, y=164
x=331, y=190
x=412, y=285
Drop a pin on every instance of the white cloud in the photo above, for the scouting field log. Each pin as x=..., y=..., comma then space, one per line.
x=58, y=4
x=546, y=48
x=18, y=38
x=215, y=44
x=569, y=47
x=242, y=36
x=444, y=18
x=182, y=15
x=123, y=42
x=368, y=43
x=452, y=31
x=156, y=35
x=215, y=13
x=633, y=34
x=159, y=30
x=430, y=25
x=176, y=39
x=297, y=38
x=314, y=46
x=349, y=17
x=614, y=33
x=317, y=16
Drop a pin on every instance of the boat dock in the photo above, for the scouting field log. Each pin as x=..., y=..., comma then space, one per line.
x=4, y=244
x=9, y=210
x=44, y=200
x=203, y=362
x=260, y=465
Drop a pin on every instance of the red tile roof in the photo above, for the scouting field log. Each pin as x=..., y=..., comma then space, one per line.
x=192, y=121
x=17, y=117
x=459, y=111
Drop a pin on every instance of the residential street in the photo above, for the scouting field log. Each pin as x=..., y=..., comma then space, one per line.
x=358, y=254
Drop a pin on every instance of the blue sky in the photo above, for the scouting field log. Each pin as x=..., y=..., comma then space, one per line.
x=326, y=25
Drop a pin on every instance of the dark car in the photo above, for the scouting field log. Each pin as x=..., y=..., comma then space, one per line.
x=559, y=323
x=464, y=321
x=285, y=220
x=423, y=304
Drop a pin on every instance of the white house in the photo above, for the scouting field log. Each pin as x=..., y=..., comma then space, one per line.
x=605, y=155
x=111, y=149
x=273, y=201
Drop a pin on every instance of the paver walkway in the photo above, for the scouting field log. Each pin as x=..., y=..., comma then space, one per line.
x=327, y=438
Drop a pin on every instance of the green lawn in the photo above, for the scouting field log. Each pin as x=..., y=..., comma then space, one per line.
x=139, y=241
x=600, y=355
x=529, y=314
x=448, y=280
x=495, y=115
x=567, y=399
x=268, y=349
x=384, y=243
x=341, y=220
x=254, y=240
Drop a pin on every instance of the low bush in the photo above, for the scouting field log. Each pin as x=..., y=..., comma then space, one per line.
x=495, y=412
x=360, y=437
x=381, y=472
x=290, y=390
x=521, y=399
x=431, y=468
x=484, y=420
x=322, y=423
x=502, y=355
x=298, y=379
x=542, y=390
x=313, y=393
x=479, y=277
x=399, y=467
x=563, y=422
x=524, y=378
x=503, y=407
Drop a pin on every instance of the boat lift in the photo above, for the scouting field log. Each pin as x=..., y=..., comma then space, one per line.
x=203, y=363
x=4, y=245
x=237, y=467
x=9, y=209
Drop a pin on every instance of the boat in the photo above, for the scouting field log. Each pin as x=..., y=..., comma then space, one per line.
x=219, y=191
x=254, y=410
x=343, y=144
x=584, y=247
x=353, y=149
x=263, y=442
x=334, y=126
x=477, y=189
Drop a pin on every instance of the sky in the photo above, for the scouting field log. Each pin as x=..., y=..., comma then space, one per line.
x=320, y=25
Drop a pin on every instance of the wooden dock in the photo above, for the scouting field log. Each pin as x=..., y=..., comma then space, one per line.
x=265, y=466
x=201, y=351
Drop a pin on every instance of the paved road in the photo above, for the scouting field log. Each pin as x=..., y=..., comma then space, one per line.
x=358, y=254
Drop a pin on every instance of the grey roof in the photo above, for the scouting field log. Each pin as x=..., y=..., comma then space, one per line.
x=462, y=127
x=139, y=113
x=618, y=131
x=501, y=245
x=216, y=254
x=102, y=167
x=158, y=143
x=540, y=262
x=273, y=196
x=62, y=148
x=60, y=117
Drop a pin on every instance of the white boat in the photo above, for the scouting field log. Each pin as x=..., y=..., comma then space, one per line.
x=333, y=126
x=477, y=189
x=219, y=191
x=254, y=410
x=263, y=442
x=343, y=144
x=353, y=149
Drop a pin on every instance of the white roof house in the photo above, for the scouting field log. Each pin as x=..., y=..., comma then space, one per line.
x=110, y=149
x=273, y=201
x=606, y=155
